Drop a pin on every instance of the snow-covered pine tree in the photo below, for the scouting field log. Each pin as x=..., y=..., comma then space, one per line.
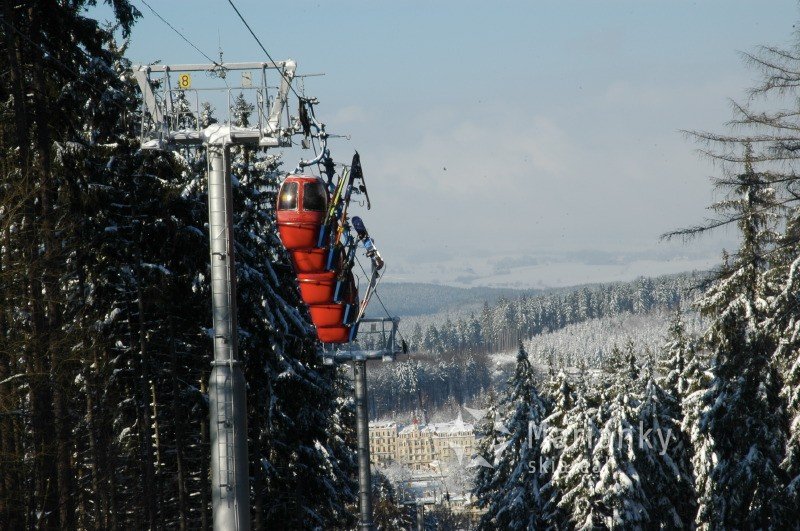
x=575, y=476
x=673, y=360
x=83, y=281
x=617, y=374
x=513, y=499
x=415, y=343
x=388, y=513
x=665, y=459
x=490, y=434
x=782, y=317
x=137, y=273
x=619, y=491
x=562, y=397
x=775, y=132
x=341, y=441
x=783, y=322
x=696, y=377
x=739, y=437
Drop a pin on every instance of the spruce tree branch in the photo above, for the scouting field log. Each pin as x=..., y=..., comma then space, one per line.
x=692, y=232
x=776, y=120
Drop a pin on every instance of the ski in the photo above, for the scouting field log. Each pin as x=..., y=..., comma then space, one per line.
x=373, y=282
x=377, y=263
x=369, y=244
x=355, y=173
x=333, y=206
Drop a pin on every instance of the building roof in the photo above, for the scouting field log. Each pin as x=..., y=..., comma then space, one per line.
x=405, y=430
x=382, y=424
x=448, y=428
x=437, y=428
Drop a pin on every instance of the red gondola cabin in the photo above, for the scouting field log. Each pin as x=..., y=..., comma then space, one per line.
x=302, y=202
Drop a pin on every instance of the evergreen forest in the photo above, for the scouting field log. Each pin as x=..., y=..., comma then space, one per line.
x=106, y=334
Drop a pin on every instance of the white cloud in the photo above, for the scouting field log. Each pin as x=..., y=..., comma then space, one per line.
x=347, y=116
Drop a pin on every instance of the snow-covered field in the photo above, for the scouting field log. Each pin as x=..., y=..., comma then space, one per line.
x=592, y=339
x=542, y=274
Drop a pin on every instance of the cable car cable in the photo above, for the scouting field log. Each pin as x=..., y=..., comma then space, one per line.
x=264, y=49
x=181, y=35
x=218, y=66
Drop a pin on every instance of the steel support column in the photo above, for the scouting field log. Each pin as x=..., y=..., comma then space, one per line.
x=362, y=432
x=230, y=487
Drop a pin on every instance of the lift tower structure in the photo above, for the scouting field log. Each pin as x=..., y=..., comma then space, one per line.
x=171, y=117
x=381, y=333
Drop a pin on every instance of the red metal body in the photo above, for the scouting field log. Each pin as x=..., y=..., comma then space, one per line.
x=334, y=334
x=301, y=207
x=296, y=235
x=317, y=288
x=302, y=202
x=309, y=260
x=323, y=315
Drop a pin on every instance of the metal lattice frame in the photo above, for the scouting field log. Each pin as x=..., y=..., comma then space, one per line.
x=381, y=333
x=172, y=114
x=169, y=120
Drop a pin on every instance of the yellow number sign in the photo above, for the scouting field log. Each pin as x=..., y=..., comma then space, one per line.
x=184, y=81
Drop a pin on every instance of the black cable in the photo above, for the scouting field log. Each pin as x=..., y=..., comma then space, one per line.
x=264, y=49
x=280, y=71
x=375, y=292
x=181, y=35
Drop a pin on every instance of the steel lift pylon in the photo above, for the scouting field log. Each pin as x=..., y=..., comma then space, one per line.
x=172, y=117
x=381, y=335
x=172, y=111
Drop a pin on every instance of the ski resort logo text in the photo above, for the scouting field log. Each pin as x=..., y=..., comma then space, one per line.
x=651, y=439
x=648, y=439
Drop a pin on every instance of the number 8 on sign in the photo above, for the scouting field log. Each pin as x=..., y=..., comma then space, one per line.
x=184, y=81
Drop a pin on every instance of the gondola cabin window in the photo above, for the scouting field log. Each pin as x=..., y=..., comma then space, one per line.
x=315, y=197
x=288, y=197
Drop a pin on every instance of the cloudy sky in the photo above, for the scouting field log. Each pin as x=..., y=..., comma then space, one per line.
x=524, y=143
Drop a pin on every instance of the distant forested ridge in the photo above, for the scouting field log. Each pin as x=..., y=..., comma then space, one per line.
x=501, y=325
x=450, y=360
x=414, y=298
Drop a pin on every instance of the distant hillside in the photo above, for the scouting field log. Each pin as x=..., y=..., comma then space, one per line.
x=413, y=299
x=454, y=353
x=406, y=299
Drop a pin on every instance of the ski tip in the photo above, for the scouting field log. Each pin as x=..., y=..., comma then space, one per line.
x=358, y=224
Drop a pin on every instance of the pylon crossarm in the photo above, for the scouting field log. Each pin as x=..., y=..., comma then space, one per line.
x=336, y=357
x=172, y=110
x=384, y=347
